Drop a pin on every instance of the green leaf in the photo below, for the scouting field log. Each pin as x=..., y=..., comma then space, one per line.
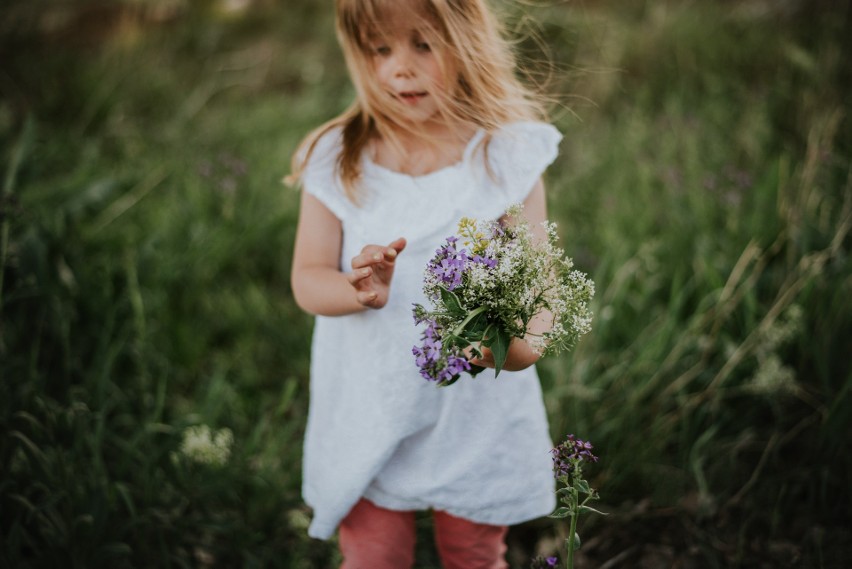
x=583, y=486
x=473, y=324
x=474, y=348
x=452, y=339
x=592, y=510
x=497, y=340
x=474, y=370
x=449, y=381
x=561, y=513
x=576, y=542
x=476, y=325
x=451, y=301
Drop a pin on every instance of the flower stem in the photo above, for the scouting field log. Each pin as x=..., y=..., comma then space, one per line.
x=470, y=316
x=18, y=155
x=573, y=531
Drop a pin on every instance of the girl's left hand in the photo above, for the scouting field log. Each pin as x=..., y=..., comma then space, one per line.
x=520, y=356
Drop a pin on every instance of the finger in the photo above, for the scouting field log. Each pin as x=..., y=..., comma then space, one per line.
x=359, y=275
x=398, y=245
x=366, y=297
x=383, y=258
x=487, y=359
x=370, y=255
x=392, y=251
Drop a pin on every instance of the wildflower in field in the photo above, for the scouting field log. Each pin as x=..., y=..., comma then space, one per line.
x=485, y=286
x=298, y=519
x=772, y=376
x=542, y=562
x=201, y=445
x=568, y=459
x=568, y=455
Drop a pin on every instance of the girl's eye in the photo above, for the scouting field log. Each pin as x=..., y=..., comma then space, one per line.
x=382, y=50
x=422, y=46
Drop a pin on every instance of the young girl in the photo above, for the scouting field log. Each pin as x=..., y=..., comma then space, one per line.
x=440, y=129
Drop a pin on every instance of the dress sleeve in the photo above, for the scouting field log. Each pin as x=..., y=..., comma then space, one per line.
x=320, y=177
x=518, y=154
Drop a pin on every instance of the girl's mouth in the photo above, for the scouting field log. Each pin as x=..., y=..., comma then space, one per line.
x=412, y=97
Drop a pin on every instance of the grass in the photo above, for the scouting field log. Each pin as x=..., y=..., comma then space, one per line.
x=704, y=182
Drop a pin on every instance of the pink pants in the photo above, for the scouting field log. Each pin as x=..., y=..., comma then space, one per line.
x=375, y=538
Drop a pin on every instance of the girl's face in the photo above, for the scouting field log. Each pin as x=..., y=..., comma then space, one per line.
x=408, y=68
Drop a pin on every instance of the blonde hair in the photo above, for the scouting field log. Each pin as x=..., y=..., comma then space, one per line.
x=484, y=90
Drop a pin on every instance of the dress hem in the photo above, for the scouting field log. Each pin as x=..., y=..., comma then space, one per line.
x=522, y=510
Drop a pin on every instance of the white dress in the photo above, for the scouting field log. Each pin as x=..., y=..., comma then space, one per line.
x=478, y=449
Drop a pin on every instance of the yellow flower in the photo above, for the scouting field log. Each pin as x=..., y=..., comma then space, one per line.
x=471, y=237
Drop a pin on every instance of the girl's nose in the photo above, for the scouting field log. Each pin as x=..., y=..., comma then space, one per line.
x=402, y=64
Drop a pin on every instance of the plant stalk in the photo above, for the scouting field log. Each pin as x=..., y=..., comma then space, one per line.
x=8, y=185
x=573, y=530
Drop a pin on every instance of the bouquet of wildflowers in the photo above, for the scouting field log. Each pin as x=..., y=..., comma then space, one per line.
x=485, y=287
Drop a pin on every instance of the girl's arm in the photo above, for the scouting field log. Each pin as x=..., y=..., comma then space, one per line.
x=319, y=285
x=521, y=355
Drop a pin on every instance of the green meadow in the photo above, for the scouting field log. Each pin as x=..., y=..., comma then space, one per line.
x=704, y=182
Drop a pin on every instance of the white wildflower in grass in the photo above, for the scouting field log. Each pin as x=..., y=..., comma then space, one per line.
x=201, y=445
x=772, y=377
x=486, y=285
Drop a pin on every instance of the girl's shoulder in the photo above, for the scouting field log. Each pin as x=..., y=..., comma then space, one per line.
x=526, y=138
x=319, y=156
x=518, y=152
x=321, y=149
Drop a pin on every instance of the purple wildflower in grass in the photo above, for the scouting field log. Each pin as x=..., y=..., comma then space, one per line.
x=542, y=562
x=568, y=455
x=568, y=459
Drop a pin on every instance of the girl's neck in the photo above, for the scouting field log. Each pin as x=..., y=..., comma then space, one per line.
x=418, y=154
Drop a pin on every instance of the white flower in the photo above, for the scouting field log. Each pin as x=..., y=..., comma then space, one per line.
x=201, y=445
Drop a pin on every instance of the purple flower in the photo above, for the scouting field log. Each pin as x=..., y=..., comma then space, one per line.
x=541, y=562
x=568, y=455
x=448, y=264
x=487, y=261
x=437, y=360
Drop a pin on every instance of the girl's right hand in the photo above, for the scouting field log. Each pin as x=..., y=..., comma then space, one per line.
x=372, y=272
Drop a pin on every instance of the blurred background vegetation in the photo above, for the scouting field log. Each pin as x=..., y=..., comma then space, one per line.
x=705, y=182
